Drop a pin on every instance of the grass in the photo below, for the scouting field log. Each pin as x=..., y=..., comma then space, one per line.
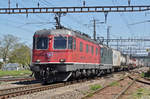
x=147, y=74
x=114, y=83
x=95, y=87
x=15, y=73
x=140, y=92
x=90, y=95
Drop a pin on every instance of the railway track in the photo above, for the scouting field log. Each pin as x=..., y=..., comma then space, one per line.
x=133, y=77
x=24, y=90
x=13, y=92
x=103, y=88
x=144, y=81
x=16, y=79
x=125, y=90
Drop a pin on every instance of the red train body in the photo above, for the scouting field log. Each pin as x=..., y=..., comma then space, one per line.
x=63, y=54
x=69, y=55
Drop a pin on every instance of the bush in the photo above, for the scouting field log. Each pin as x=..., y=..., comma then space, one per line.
x=147, y=74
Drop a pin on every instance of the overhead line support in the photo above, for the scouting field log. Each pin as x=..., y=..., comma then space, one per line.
x=74, y=9
x=126, y=40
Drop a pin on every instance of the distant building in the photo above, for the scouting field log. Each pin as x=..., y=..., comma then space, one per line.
x=11, y=66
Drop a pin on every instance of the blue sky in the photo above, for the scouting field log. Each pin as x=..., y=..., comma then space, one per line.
x=18, y=24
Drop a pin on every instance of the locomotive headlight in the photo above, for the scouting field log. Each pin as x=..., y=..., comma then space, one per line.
x=38, y=61
x=62, y=60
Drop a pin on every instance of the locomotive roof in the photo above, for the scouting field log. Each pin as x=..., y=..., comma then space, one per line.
x=46, y=32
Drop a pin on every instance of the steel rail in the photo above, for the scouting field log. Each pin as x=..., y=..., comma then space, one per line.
x=141, y=81
x=27, y=90
x=133, y=81
x=128, y=76
x=2, y=91
x=106, y=86
x=16, y=79
x=146, y=78
x=124, y=90
x=13, y=92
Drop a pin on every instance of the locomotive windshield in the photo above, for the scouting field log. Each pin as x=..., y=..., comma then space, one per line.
x=41, y=43
x=60, y=42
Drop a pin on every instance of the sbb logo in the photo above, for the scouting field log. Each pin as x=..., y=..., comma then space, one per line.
x=49, y=54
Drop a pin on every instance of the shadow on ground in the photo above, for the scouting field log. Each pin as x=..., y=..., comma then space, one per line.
x=26, y=82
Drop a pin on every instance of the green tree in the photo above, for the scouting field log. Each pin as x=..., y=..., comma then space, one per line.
x=21, y=54
x=1, y=65
x=8, y=42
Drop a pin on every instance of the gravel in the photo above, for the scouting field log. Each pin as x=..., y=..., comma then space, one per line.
x=5, y=85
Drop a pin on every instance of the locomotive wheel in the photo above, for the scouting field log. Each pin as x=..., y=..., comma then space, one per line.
x=37, y=75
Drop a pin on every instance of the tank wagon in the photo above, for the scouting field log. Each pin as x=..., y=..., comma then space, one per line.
x=63, y=54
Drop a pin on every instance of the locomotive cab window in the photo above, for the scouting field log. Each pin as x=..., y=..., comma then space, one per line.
x=60, y=42
x=41, y=42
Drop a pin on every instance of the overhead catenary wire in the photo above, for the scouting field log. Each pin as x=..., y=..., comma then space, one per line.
x=48, y=4
x=75, y=20
x=17, y=21
x=39, y=17
x=123, y=19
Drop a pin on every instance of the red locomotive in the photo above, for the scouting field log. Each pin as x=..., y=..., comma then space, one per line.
x=62, y=53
